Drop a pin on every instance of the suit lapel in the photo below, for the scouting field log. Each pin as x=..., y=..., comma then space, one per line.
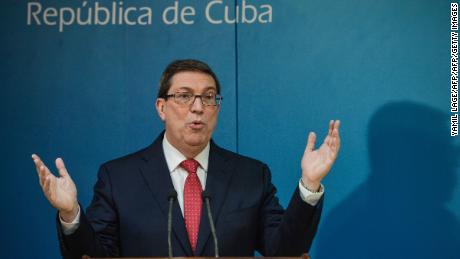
x=217, y=183
x=156, y=173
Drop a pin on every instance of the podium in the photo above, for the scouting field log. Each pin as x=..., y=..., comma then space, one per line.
x=304, y=256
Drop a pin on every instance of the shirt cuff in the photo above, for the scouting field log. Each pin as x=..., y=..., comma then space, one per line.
x=309, y=197
x=70, y=228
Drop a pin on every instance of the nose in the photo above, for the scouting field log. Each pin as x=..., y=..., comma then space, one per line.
x=197, y=105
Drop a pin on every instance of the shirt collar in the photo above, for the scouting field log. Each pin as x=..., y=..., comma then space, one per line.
x=174, y=157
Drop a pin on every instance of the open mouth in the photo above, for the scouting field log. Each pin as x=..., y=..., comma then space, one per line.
x=196, y=125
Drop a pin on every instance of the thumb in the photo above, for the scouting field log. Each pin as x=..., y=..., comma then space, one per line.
x=311, y=142
x=61, y=168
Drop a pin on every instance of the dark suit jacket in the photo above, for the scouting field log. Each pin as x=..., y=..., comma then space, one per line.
x=128, y=213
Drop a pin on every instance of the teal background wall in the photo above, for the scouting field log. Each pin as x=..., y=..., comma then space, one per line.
x=383, y=67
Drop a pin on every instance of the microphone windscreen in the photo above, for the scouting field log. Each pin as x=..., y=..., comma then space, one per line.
x=172, y=194
x=206, y=195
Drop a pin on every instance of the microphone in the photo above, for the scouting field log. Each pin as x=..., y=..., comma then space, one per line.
x=206, y=198
x=171, y=198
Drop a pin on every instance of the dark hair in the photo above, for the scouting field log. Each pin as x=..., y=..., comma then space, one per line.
x=183, y=66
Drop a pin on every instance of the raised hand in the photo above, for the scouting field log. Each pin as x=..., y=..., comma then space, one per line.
x=60, y=191
x=317, y=163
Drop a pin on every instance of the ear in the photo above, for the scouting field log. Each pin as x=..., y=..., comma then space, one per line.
x=160, y=106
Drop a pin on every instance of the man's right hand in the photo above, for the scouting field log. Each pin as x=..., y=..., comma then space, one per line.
x=60, y=191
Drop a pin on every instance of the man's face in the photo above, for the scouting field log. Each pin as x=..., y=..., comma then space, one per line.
x=189, y=126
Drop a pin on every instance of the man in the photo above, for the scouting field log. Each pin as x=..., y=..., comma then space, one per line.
x=129, y=211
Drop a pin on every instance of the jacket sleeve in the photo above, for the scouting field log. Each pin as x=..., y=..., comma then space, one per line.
x=287, y=232
x=97, y=234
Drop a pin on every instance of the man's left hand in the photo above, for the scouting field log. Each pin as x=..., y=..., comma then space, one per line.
x=317, y=163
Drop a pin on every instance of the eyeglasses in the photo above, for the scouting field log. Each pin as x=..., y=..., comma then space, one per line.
x=208, y=99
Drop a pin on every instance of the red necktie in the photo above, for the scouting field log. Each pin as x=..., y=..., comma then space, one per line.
x=192, y=201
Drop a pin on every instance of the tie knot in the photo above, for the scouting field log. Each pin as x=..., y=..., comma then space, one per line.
x=190, y=165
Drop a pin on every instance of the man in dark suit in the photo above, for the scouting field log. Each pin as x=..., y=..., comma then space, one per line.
x=129, y=212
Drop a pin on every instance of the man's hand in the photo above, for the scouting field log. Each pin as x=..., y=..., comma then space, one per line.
x=60, y=191
x=317, y=163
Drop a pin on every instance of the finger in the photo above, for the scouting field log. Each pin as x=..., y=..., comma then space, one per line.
x=38, y=162
x=336, y=137
x=61, y=167
x=311, y=142
x=46, y=187
x=334, y=127
x=331, y=127
x=35, y=157
x=42, y=175
x=52, y=187
x=337, y=125
x=334, y=148
x=335, y=132
x=327, y=139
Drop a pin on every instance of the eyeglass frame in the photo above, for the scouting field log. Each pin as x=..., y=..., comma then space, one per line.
x=218, y=99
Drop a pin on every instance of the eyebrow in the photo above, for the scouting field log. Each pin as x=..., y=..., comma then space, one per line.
x=191, y=89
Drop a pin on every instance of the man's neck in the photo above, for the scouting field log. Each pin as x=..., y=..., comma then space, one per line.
x=191, y=152
x=188, y=151
x=174, y=157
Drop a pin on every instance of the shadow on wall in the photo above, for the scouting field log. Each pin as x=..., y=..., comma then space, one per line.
x=400, y=210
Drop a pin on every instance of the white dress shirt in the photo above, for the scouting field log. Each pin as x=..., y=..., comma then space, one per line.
x=178, y=176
